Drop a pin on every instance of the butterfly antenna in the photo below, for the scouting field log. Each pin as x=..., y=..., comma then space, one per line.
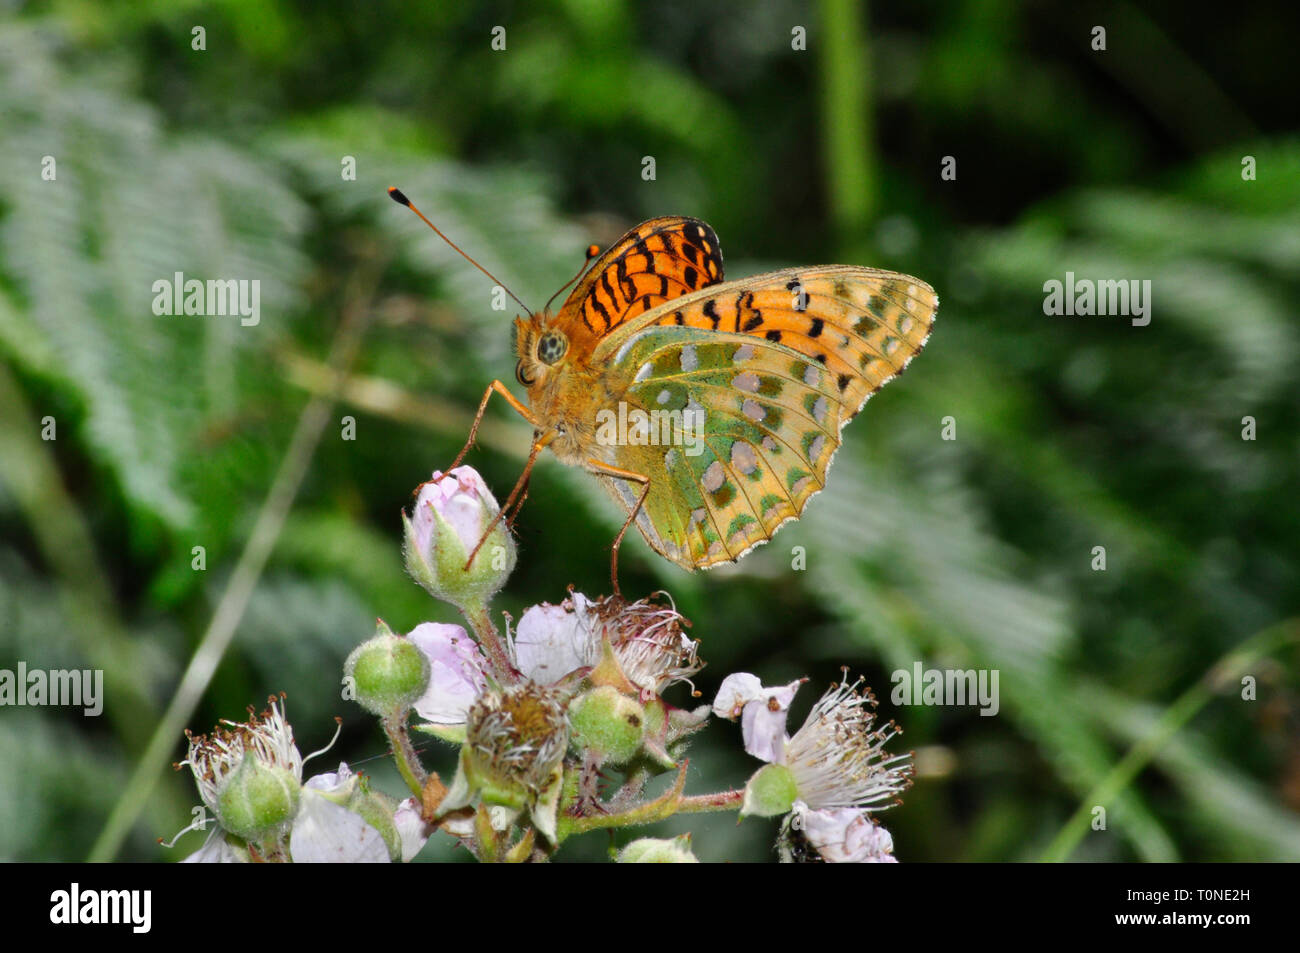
x=398, y=196
x=592, y=252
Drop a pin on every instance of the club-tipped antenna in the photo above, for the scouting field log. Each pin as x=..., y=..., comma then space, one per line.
x=592, y=252
x=398, y=196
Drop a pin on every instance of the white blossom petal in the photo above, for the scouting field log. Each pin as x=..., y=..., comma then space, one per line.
x=762, y=713
x=845, y=835
x=216, y=850
x=411, y=829
x=552, y=641
x=326, y=833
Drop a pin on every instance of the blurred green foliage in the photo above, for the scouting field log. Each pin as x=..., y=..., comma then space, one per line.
x=1072, y=432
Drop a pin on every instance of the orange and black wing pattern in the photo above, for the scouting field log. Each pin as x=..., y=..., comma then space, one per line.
x=655, y=262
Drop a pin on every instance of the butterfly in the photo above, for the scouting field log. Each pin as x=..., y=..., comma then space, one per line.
x=710, y=410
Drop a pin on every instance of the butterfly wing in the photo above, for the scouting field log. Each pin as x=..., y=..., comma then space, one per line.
x=655, y=262
x=771, y=368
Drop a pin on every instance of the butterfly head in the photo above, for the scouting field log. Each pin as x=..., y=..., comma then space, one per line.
x=538, y=347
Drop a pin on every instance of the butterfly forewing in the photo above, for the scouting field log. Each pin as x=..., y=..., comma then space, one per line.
x=764, y=372
x=658, y=261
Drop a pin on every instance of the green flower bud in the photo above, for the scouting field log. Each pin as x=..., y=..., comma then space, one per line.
x=607, y=723
x=771, y=791
x=259, y=799
x=450, y=516
x=653, y=850
x=388, y=672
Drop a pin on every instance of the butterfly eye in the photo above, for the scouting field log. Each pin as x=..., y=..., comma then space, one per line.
x=521, y=377
x=551, y=347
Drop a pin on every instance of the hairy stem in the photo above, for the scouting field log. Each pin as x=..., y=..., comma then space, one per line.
x=408, y=762
x=494, y=646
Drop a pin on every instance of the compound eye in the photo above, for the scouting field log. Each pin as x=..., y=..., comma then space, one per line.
x=521, y=376
x=551, y=347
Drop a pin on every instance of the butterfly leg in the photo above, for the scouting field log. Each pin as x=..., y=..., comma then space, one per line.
x=607, y=470
x=515, y=402
x=539, y=444
x=510, y=520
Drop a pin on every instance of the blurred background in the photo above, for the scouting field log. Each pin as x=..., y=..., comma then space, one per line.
x=230, y=161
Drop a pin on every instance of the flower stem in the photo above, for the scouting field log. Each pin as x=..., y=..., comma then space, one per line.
x=408, y=763
x=661, y=808
x=490, y=639
x=704, y=803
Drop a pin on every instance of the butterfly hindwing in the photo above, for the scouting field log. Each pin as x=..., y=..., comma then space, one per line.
x=762, y=374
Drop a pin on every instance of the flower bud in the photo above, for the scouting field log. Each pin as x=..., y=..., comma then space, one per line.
x=654, y=850
x=771, y=791
x=388, y=672
x=447, y=523
x=607, y=723
x=259, y=800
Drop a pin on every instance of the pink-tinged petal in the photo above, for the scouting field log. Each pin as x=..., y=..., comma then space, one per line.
x=736, y=691
x=552, y=641
x=456, y=675
x=762, y=713
x=846, y=836
x=462, y=499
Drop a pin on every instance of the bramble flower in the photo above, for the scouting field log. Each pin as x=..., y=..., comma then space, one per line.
x=629, y=653
x=835, y=836
x=249, y=773
x=513, y=754
x=646, y=639
x=836, y=760
x=446, y=524
x=250, y=776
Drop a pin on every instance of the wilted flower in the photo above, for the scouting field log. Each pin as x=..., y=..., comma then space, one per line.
x=250, y=776
x=249, y=773
x=649, y=648
x=840, y=835
x=836, y=760
x=447, y=523
x=513, y=754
